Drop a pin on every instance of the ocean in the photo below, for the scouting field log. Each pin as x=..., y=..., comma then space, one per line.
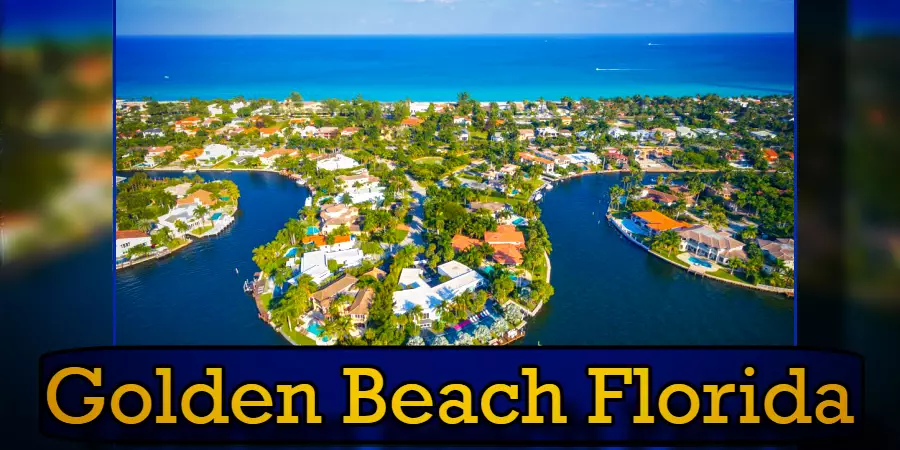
x=423, y=68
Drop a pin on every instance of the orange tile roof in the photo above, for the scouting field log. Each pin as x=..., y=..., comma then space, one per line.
x=319, y=239
x=205, y=197
x=505, y=234
x=412, y=121
x=659, y=221
x=268, y=130
x=130, y=234
x=462, y=243
x=534, y=158
x=277, y=152
x=192, y=153
x=507, y=254
x=771, y=155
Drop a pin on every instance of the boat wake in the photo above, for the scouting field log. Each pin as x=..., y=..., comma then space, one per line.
x=615, y=70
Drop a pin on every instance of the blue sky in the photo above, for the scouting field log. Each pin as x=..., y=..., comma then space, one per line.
x=404, y=17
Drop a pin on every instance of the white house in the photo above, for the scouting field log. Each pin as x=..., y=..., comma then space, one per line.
x=214, y=109
x=236, y=106
x=419, y=293
x=336, y=162
x=547, y=132
x=462, y=135
x=315, y=265
x=497, y=137
x=153, y=132
x=763, y=134
x=711, y=132
x=128, y=239
x=181, y=213
x=709, y=243
x=213, y=153
x=617, y=133
x=251, y=152
x=307, y=131
x=685, y=132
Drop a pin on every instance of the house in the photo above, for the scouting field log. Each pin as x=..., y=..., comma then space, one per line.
x=128, y=239
x=338, y=243
x=411, y=122
x=712, y=132
x=308, y=131
x=336, y=162
x=771, y=155
x=462, y=135
x=526, y=134
x=153, y=132
x=349, y=131
x=582, y=158
x=462, y=243
x=497, y=137
x=335, y=215
x=251, y=152
x=779, y=249
x=418, y=293
x=199, y=197
x=236, y=106
x=534, y=159
x=359, y=309
x=547, y=132
x=179, y=190
x=181, y=213
x=187, y=122
x=763, y=134
x=709, y=243
x=360, y=180
x=566, y=120
x=493, y=207
x=656, y=222
x=268, y=158
x=509, y=169
x=565, y=133
x=685, y=132
x=266, y=132
x=155, y=154
x=617, y=133
x=214, y=109
x=213, y=153
x=329, y=132
x=665, y=134
x=507, y=242
x=315, y=265
x=641, y=135
x=326, y=296
x=298, y=122
x=662, y=198
x=190, y=155
x=461, y=120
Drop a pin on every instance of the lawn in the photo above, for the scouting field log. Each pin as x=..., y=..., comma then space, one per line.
x=298, y=337
x=501, y=199
x=724, y=274
x=199, y=231
x=225, y=162
x=429, y=160
x=266, y=299
x=673, y=258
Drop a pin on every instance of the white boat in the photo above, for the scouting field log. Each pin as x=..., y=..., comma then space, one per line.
x=300, y=182
x=538, y=197
x=308, y=202
x=190, y=171
x=549, y=186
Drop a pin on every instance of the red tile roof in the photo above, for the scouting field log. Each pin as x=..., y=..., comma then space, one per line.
x=130, y=234
x=462, y=243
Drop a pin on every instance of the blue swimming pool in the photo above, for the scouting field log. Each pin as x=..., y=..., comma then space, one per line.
x=312, y=230
x=216, y=216
x=519, y=221
x=700, y=262
x=317, y=330
x=292, y=252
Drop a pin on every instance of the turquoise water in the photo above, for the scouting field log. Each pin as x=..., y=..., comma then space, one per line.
x=700, y=262
x=216, y=216
x=312, y=230
x=292, y=252
x=317, y=330
x=519, y=221
x=499, y=68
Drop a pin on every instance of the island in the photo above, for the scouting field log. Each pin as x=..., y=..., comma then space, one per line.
x=422, y=224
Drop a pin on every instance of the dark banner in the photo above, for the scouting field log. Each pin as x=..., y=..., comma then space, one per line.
x=511, y=396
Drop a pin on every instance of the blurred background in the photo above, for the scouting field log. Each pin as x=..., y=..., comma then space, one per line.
x=56, y=188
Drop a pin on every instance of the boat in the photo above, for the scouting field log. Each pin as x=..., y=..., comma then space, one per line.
x=549, y=186
x=308, y=202
x=538, y=197
x=166, y=77
x=190, y=171
x=227, y=170
x=300, y=182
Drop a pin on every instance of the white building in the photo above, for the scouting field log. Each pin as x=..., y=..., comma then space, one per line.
x=251, y=152
x=763, y=134
x=128, y=239
x=547, y=132
x=617, y=133
x=236, y=106
x=710, y=131
x=213, y=153
x=183, y=213
x=179, y=190
x=153, y=132
x=336, y=162
x=214, y=109
x=685, y=132
x=419, y=293
x=315, y=265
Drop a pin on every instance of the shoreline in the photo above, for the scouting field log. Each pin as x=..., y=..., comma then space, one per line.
x=129, y=264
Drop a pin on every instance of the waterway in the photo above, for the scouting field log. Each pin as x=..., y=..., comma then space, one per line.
x=608, y=291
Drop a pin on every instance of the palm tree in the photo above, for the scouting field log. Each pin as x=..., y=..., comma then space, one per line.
x=181, y=226
x=415, y=313
x=200, y=213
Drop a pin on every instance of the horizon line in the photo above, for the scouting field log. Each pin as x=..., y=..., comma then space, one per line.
x=712, y=33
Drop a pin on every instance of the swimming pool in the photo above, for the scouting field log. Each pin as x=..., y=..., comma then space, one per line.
x=519, y=221
x=292, y=252
x=317, y=330
x=312, y=230
x=216, y=216
x=700, y=262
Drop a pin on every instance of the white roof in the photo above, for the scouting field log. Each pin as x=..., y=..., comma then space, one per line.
x=350, y=257
x=412, y=277
x=312, y=259
x=453, y=269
